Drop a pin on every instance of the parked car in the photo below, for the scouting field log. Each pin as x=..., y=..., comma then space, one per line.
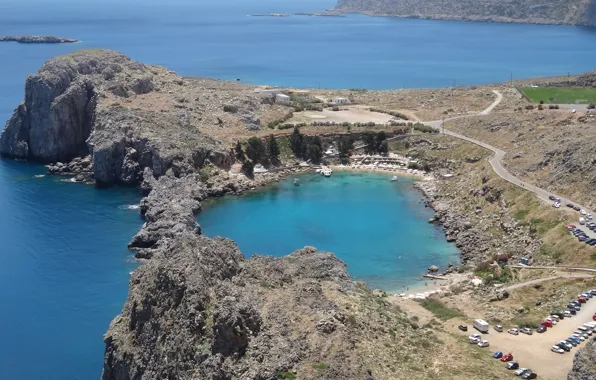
x=540, y=329
x=557, y=349
x=526, y=330
x=560, y=314
x=512, y=365
x=507, y=358
x=576, y=208
x=570, y=205
x=567, y=344
x=551, y=197
x=581, y=300
x=574, y=339
x=563, y=346
x=567, y=313
x=483, y=343
x=570, y=225
x=583, y=212
x=514, y=331
x=521, y=371
x=578, y=336
x=554, y=322
x=545, y=324
x=498, y=355
x=463, y=327
x=594, y=317
x=499, y=328
x=571, y=342
x=554, y=317
x=529, y=375
x=587, y=295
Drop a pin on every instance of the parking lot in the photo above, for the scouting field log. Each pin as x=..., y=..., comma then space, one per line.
x=533, y=351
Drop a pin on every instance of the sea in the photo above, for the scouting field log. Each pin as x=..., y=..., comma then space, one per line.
x=64, y=266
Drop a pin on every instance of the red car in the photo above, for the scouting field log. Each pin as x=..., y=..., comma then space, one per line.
x=507, y=358
x=547, y=324
x=594, y=317
x=570, y=225
x=581, y=300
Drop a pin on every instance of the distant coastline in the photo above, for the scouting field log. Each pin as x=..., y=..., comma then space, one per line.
x=320, y=14
x=38, y=39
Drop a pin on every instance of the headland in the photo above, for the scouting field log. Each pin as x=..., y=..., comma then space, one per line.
x=197, y=306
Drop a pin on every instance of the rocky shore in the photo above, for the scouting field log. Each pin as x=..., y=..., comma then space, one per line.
x=38, y=39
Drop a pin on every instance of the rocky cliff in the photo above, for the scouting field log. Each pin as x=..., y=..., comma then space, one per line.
x=571, y=12
x=127, y=116
x=583, y=363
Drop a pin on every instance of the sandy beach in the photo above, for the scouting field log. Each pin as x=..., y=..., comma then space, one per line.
x=378, y=170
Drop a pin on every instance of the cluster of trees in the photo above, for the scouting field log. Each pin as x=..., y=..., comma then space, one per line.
x=306, y=147
x=375, y=142
x=345, y=144
x=424, y=128
x=257, y=151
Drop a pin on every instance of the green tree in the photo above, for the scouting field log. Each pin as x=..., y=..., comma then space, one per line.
x=369, y=139
x=383, y=147
x=255, y=150
x=273, y=149
x=297, y=142
x=248, y=168
x=239, y=152
x=344, y=145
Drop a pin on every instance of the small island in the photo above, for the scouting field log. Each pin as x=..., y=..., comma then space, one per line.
x=38, y=39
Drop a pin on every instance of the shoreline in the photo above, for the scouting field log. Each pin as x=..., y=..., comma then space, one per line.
x=381, y=170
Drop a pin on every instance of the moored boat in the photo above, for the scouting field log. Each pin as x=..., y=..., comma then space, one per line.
x=296, y=182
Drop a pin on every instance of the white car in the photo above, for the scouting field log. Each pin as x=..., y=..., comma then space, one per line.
x=589, y=216
x=558, y=350
x=567, y=314
x=554, y=318
x=578, y=336
x=513, y=331
x=583, y=212
x=474, y=341
x=483, y=343
x=520, y=371
x=569, y=346
x=557, y=205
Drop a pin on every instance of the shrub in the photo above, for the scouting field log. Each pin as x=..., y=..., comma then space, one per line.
x=248, y=168
x=591, y=106
x=285, y=375
x=439, y=309
x=424, y=128
x=540, y=108
x=530, y=107
x=320, y=366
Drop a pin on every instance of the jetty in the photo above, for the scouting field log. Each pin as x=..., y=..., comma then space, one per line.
x=435, y=277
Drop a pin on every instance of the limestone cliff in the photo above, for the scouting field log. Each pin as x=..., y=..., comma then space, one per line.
x=570, y=12
x=127, y=116
x=583, y=363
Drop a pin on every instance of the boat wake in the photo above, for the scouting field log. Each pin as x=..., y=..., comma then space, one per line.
x=39, y=175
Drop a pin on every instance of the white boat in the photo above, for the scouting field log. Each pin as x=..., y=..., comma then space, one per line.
x=260, y=169
x=327, y=172
x=394, y=178
x=296, y=182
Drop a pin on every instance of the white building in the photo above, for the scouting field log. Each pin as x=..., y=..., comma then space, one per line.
x=282, y=99
x=339, y=100
x=268, y=92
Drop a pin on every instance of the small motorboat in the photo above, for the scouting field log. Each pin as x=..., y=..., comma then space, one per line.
x=296, y=182
x=326, y=172
x=394, y=178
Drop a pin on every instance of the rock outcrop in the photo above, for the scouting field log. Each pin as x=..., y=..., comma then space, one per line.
x=126, y=115
x=38, y=39
x=583, y=363
x=570, y=12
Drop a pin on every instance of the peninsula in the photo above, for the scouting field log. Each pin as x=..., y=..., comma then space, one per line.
x=197, y=308
x=38, y=39
x=568, y=12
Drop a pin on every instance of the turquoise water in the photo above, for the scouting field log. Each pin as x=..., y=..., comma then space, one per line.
x=63, y=260
x=378, y=227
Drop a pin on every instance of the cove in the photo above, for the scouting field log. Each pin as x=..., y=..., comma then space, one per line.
x=63, y=272
x=378, y=227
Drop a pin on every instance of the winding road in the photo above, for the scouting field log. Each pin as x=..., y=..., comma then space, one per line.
x=496, y=160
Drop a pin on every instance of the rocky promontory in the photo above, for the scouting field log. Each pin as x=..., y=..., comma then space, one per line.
x=127, y=116
x=38, y=39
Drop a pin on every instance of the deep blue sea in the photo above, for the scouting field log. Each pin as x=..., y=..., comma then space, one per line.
x=63, y=259
x=378, y=227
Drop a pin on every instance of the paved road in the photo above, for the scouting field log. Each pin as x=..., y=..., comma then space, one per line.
x=539, y=280
x=496, y=161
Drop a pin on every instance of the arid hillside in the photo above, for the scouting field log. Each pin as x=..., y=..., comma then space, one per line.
x=570, y=12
